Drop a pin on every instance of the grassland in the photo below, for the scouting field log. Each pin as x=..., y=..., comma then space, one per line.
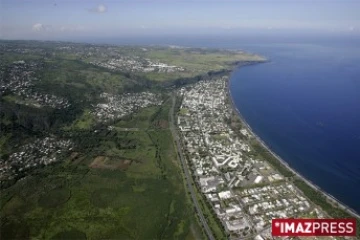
x=67, y=74
x=195, y=61
x=74, y=200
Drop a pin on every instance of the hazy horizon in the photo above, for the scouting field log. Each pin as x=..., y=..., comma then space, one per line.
x=80, y=20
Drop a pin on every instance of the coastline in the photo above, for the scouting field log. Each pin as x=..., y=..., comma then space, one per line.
x=328, y=196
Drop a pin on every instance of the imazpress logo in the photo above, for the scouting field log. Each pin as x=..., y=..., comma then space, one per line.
x=314, y=227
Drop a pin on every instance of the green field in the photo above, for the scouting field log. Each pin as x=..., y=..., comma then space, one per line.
x=195, y=61
x=143, y=199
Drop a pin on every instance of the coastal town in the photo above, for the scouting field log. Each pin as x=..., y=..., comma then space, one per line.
x=245, y=192
x=146, y=118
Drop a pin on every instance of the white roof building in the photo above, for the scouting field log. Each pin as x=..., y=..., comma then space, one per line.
x=225, y=195
x=258, y=179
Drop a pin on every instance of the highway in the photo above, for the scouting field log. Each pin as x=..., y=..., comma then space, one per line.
x=186, y=170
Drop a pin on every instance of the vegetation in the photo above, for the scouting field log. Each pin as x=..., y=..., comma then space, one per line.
x=77, y=200
x=197, y=61
x=120, y=180
x=320, y=199
x=211, y=217
x=263, y=153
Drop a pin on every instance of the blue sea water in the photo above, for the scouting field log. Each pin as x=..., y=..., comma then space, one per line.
x=305, y=105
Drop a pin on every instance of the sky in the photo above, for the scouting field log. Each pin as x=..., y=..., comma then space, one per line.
x=68, y=19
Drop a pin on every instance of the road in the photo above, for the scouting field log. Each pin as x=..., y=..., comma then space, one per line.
x=188, y=176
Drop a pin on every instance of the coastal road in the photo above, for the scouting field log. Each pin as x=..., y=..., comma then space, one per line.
x=188, y=176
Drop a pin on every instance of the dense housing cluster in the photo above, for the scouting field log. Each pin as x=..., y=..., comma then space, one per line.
x=137, y=64
x=37, y=153
x=244, y=192
x=19, y=78
x=117, y=106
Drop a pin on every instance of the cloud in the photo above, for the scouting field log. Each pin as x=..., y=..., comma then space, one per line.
x=39, y=27
x=99, y=9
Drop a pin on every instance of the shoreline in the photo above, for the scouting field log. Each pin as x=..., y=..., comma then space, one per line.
x=284, y=163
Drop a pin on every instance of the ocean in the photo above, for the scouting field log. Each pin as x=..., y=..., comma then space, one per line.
x=305, y=105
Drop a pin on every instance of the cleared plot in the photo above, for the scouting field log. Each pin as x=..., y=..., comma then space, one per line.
x=102, y=162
